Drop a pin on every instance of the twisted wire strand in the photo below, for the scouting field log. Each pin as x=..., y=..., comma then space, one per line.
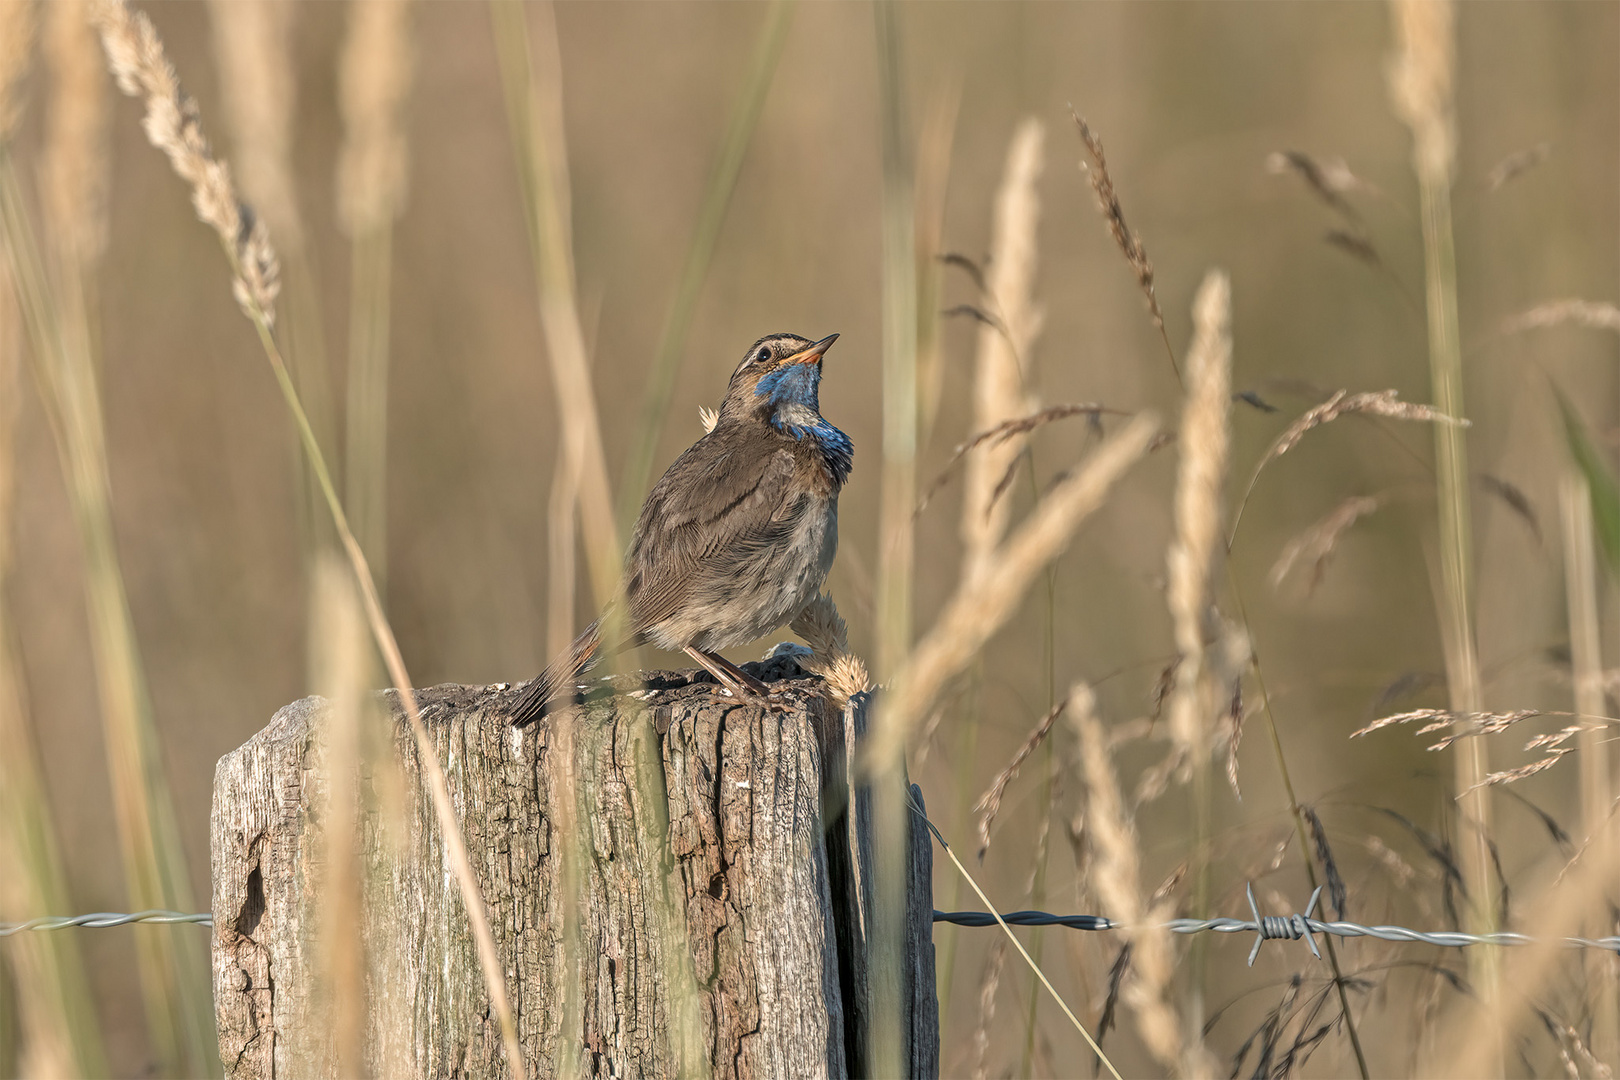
x=1270, y=927
x=98, y=919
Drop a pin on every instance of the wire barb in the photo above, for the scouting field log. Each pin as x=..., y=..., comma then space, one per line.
x=1275, y=927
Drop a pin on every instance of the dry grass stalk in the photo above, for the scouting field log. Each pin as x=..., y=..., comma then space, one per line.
x=1582, y=594
x=825, y=631
x=1593, y=314
x=933, y=172
x=1337, y=893
x=1556, y=738
x=375, y=78
x=982, y=604
x=343, y=657
x=252, y=48
x=1116, y=877
x=533, y=89
x=56, y=1032
x=1469, y=1045
x=989, y=804
x=1129, y=243
x=1513, y=166
x=1508, y=776
x=1328, y=180
x=73, y=165
x=1355, y=245
x=66, y=374
x=1007, y=429
x=1437, y=719
x=950, y=853
x=17, y=28
x=1422, y=74
x=1369, y=402
x=562, y=521
x=1205, y=448
x=135, y=56
x=1001, y=388
x=987, y=1007
x=172, y=124
x=1315, y=545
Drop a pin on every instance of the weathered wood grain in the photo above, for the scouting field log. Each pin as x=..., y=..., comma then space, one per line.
x=734, y=855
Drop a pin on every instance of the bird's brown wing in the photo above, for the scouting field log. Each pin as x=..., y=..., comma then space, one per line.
x=721, y=501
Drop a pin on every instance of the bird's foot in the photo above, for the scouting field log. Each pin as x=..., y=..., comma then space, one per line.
x=738, y=683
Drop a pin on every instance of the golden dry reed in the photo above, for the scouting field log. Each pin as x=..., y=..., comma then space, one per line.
x=253, y=55
x=73, y=161
x=251, y=42
x=1205, y=446
x=1582, y=596
x=56, y=1032
x=982, y=604
x=898, y=487
x=375, y=74
x=1116, y=878
x=341, y=647
x=1001, y=389
x=374, y=79
x=1422, y=74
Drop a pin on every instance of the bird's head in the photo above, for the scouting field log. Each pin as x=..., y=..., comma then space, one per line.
x=778, y=381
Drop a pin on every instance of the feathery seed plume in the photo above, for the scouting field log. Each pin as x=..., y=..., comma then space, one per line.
x=825, y=631
x=1117, y=878
x=1001, y=388
x=1204, y=447
x=136, y=58
x=1593, y=314
x=1130, y=244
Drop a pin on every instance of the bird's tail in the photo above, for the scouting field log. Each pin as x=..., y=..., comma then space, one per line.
x=558, y=678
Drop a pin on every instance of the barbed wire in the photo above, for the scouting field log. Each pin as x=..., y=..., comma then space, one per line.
x=97, y=920
x=1264, y=927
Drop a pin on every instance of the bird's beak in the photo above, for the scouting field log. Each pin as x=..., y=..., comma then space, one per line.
x=811, y=355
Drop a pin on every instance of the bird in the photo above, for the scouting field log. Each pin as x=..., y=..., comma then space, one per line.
x=735, y=538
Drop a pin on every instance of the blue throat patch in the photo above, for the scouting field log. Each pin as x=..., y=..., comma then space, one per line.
x=799, y=385
x=837, y=452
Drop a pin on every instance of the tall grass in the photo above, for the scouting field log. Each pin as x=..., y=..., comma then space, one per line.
x=374, y=80
x=136, y=58
x=1421, y=77
x=1124, y=768
x=253, y=43
x=666, y=362
x=58, y=1033
x=52, y=274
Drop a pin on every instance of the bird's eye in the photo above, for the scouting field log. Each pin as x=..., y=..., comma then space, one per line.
x=764, y=355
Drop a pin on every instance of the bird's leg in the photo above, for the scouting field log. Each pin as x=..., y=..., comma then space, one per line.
x=741, y=684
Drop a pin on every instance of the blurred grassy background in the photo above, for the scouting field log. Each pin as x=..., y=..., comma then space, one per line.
x=1190, y=99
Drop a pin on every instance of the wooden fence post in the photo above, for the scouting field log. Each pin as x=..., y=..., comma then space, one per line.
x=766, y=854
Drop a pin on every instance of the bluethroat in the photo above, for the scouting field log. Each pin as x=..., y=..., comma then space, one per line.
x=736, y=537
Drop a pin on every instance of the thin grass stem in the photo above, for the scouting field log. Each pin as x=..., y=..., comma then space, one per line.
x=666, y=365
